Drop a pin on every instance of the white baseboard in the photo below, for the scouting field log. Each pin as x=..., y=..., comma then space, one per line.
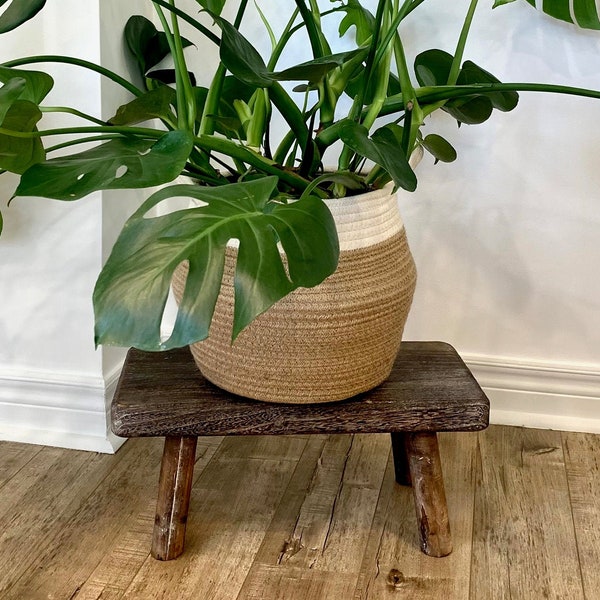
x=542, y=395
x=69, y=411
x=57, y=409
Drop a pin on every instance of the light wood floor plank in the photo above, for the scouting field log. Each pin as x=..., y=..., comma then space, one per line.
x=232, y=505
x=582, y=455
x=41, y=499
x=524, y=545
x=14, y=457
x=394, y=566
x=131, y=536
x=326, y=529
x=524, y=511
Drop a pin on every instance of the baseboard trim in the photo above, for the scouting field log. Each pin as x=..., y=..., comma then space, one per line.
x=69, y=411
x=543, y=395
x=57, y=409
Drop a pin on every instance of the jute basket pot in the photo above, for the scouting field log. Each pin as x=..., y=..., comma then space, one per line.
x=326, y=343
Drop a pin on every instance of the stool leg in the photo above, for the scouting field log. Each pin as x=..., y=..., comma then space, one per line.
x=174, y=488
x=401, y=469
x=428, y=488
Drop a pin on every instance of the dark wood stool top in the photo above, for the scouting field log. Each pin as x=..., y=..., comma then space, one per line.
x=430, y=389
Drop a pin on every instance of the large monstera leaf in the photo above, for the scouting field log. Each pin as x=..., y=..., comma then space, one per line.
x=585, y=13
x=119, y=164
x=132, y=289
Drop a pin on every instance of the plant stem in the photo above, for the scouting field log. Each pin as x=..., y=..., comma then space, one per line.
x=71, y=111
x=462, y=41
x=141, y=132
x=211, y=105
x=186, y=106
x=237, y=151
x=53, y=58
x=193, y=22
x=310, y=21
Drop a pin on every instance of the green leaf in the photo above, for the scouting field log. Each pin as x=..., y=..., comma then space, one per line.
x=168, y=76
x=347, y=179
x=315, y=70
x=586, y=14
x=155, y=104
x=9, y=94
x=131, y=291
x=148, y=45
x=559, y=9
x=18, y=12
x=470, y=73
x=471, y=110
x=212, y=6
x=241, y=57
x=432, y=67
x=440, y=148
x=18, y=154
x=358, y=17
x=37, y=84
x=383, y=149
x=118, y=164
x=227, y=121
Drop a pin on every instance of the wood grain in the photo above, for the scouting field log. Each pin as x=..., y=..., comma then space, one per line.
x=232, y=504
x=130, y=536
x=174, y=489
x=430, y=389
x=429, y=494
x=582, y=456
x=44, y=494
x=393, y=566
x=524, y=540
x=77, y=526
x=14, y=458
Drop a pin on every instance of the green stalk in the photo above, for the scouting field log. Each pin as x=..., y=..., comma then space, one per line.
x=259, y=162
x=311, y=28
x=136, y=131
x=211, y=106
x=462, y=41
x=193, y=22
x=286, y=34
x=186, y=112
x=289, y=32
x=291, y=113
x=383, y=79
x=54, y=58
x=356, y=109
x=407, y=7
x=181, y=64
x=71, y=111
x=431, y=94
x=86, y=140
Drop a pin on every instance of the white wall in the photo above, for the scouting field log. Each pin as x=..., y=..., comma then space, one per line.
x=506, y=238
x=53, y=383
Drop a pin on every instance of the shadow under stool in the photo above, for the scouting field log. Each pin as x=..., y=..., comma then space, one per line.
x=430, y=389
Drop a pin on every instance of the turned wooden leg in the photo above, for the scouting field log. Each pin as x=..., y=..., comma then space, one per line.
x=400, y=459
x=174, y=488
x=428, y=488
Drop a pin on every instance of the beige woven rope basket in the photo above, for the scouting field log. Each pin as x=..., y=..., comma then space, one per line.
x=326, y=343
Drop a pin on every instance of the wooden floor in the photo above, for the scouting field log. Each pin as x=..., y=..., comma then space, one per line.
x=299, y=518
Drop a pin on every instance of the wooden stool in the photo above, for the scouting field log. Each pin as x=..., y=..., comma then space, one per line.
x=430, y=390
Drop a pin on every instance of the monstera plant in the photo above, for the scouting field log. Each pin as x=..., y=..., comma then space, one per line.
x=584, y=13
x=260, y=184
